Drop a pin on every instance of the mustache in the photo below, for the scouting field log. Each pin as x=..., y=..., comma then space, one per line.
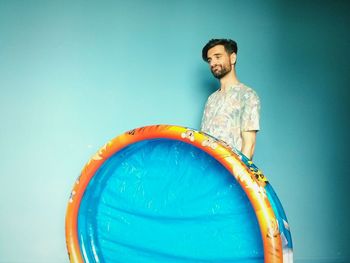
x=216, y=65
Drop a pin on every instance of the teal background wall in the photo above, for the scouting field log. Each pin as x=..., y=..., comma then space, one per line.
x=74, y=74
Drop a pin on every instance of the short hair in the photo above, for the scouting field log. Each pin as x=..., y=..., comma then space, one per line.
x=229, y=44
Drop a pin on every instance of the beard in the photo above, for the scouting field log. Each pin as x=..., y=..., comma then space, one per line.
x=221, y=71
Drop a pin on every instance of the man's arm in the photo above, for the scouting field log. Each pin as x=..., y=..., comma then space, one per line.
x=248, y=143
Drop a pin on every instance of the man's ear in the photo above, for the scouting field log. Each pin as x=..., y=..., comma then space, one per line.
x=233, y=58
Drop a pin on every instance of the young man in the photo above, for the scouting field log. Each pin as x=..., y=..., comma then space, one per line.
x=232, y=112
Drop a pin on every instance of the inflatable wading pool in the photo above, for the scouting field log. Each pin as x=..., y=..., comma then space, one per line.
x=172, y=194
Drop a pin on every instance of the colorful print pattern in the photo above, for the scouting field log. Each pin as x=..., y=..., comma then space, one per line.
x=228, y=113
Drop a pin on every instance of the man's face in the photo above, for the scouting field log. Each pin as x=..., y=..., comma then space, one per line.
x=219, y=61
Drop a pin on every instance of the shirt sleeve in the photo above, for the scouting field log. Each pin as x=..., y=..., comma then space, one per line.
x=205, y=115
x=250, y=119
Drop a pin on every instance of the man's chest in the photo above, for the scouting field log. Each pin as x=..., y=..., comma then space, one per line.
x=225, y=105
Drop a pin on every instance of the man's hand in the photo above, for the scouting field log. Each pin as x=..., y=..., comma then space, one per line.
x=248, y=143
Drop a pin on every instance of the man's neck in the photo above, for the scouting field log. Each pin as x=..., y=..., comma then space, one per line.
x=229, y=80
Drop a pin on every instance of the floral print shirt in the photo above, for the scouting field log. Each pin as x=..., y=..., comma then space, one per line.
x=229, y=112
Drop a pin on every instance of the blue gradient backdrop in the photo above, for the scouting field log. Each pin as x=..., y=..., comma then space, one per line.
x=74, y=74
